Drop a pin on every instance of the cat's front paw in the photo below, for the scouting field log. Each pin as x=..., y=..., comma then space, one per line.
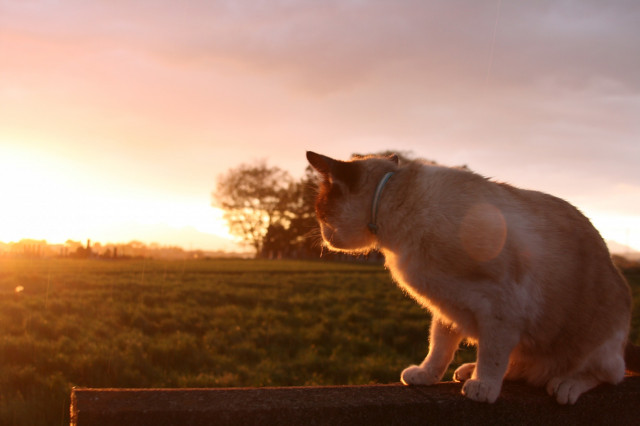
x=416, y=375
x=464, y=372
x=481, y=390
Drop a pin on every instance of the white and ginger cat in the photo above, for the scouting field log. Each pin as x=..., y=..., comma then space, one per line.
x=522, y=274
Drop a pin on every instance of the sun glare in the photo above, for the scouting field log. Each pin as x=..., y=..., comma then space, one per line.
x=36, y=200
x=43, y=199
x=622, y=229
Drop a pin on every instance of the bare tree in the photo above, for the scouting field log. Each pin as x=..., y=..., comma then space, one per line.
x=252, y=199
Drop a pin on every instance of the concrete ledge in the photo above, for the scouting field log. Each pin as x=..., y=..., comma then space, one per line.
x=350, y=405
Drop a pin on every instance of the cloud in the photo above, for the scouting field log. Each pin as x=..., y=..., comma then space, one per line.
x=330, y=46
x=545, y=87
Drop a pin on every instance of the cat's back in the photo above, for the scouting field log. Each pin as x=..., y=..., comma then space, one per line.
x=463, y=187
x=539, y=227
x=525, y=211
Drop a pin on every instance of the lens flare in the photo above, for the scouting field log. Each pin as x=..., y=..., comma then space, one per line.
x=483, y=232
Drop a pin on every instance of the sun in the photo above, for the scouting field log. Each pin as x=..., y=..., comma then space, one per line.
x=45, y=197
x=623, y=229
x=37, y=198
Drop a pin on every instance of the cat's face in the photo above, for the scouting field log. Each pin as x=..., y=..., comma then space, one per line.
x=343, y=204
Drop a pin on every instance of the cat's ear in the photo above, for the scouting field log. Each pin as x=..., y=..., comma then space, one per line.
x=394, y=158
x=321, y=163
x=332, y=170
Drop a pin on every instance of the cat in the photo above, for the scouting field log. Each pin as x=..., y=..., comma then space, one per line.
x=521, y=274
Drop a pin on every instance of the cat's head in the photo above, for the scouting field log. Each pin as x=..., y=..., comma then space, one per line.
x=345, y=197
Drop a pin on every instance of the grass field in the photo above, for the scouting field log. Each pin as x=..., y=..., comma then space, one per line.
x=213, y=323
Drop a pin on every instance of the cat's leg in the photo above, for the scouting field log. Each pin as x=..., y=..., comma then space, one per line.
x=495, y=344
x=567, y=390
x=464, y=372
x=444, y=341
x=604, y=365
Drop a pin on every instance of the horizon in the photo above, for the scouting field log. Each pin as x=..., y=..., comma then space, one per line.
x=117, y=118
x=236, y=248
x=41, y=249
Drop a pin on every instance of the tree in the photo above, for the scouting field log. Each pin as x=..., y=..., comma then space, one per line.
x=297, y=234
x=253, y=198
x=304, y=226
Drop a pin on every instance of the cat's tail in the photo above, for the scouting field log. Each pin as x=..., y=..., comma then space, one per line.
x=632, y=358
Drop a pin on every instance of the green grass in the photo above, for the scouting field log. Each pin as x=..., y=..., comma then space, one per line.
x=199, y=324
x=195, y=324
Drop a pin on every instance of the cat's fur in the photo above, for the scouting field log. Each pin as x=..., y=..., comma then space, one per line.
x=522, y=274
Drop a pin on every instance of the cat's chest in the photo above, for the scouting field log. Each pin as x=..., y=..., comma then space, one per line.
x=428, y=292
x=438, y=293
x=417, y=279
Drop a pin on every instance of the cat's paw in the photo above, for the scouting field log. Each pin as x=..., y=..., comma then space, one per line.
x=481, y=390
x=567, y=390
x=416, y=375
x=464, y=372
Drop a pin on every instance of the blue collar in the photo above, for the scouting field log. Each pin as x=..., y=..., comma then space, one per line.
x=376, y=199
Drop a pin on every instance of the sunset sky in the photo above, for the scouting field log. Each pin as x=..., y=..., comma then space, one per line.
x=116, y=117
